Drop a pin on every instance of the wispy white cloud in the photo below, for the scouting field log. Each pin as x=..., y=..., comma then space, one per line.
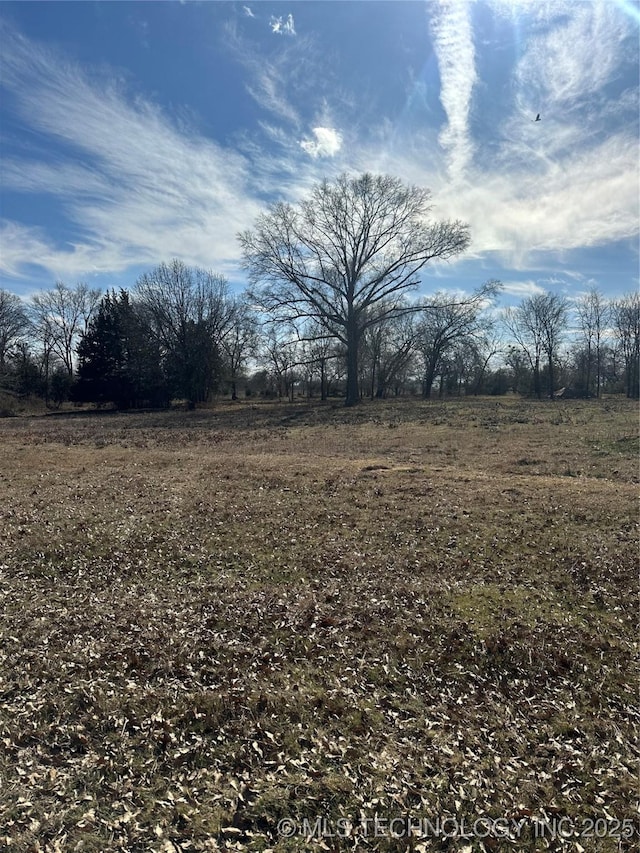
x=136, y=186
x=565, y=67
x=19, y=244
x=59, y=178
x=568, y=72
x=282, y=26
x=326, y=143
x=268, y=89
x=140, y=187
x=522, y=288
x=247, y=11
x=590, y=200
x=452, y=35
x=26, y=246
x=267, y=80
x=569, y=181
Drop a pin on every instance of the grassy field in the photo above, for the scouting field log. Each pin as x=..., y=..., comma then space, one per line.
x=355, y=620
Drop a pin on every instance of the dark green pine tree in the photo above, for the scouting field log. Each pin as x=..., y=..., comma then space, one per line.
x=100, y=356
x=143, y=371
x=193, y=367
x=118, y=359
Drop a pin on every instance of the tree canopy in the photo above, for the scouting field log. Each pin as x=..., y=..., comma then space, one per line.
x=346, y=255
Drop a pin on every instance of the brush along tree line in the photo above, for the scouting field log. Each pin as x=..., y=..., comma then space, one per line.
x=328, y=304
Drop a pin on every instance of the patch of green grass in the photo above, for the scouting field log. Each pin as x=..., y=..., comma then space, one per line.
x=488, y=607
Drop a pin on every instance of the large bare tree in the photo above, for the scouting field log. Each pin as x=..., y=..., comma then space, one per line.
x=189, y=311
x=60, y=316
x=346, y=256
x=537, y=325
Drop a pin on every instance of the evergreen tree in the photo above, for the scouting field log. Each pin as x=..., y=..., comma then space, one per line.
x=118, y=360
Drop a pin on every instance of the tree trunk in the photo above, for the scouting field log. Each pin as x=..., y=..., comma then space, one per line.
x=353, y=393
x=428, y=378
x=588, y=377
x=480, y=379
x=536, y=379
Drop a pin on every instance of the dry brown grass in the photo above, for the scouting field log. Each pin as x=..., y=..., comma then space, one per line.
x=213, y=620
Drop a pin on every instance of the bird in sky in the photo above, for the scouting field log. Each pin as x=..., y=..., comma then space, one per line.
x=537, y=118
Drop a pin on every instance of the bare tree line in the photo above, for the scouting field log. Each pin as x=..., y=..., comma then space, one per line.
x=330, y=309
x=212, y=342
x=468, y=347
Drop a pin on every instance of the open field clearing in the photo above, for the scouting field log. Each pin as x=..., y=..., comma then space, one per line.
x=216, y=620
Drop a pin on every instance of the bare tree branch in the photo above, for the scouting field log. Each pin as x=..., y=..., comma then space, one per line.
x=354, y=243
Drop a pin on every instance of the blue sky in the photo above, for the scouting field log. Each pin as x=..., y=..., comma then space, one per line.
x=132, y=133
